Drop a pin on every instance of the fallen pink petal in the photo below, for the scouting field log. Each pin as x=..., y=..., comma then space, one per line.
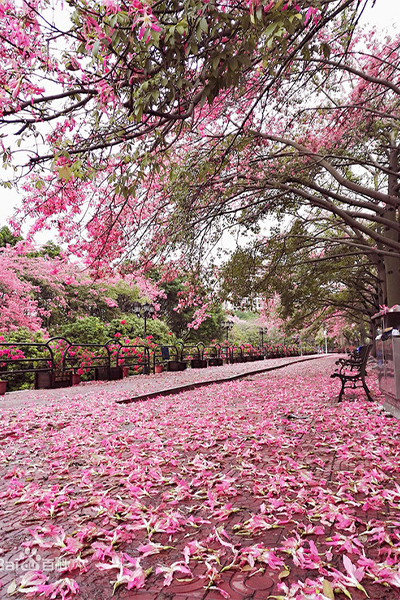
x=264, y=485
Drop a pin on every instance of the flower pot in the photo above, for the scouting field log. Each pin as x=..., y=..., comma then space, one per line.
x=76, y=379
x=158, y=368
x=125, y=371
x=3, y=386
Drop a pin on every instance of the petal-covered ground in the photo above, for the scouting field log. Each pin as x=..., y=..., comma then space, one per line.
x=260, y=488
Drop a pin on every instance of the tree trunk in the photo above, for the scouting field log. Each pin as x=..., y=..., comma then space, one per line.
x=392, y=263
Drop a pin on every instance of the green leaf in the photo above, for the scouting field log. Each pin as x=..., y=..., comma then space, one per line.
x=203, y=25
x=95, y=49
x=65, y=173
x=233, y=64
x=326, y=50
x=139, y=113
x=245, y=60
x=270, y=30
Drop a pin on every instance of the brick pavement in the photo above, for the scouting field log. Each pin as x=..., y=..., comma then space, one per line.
x=223, y=491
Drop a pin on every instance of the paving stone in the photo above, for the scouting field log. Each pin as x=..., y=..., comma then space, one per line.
x=259, y=582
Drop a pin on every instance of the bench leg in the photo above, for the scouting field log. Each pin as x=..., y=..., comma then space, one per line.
x=367, y=391
x=341, y=391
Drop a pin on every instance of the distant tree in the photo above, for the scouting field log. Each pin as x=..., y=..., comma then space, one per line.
x=180, y=313
x=6, y=237
x=131, y=330
x=20, y=278
x=315, y=274
x=86, y=330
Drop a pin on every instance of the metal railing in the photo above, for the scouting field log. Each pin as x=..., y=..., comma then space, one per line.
x=129, y=357
x=27, y=363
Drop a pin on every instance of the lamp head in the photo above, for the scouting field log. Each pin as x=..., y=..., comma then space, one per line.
x=137, y=308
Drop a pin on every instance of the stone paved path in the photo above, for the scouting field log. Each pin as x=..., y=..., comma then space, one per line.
x=232, y=491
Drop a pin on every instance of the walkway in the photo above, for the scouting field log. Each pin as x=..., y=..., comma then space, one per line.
x=138, y=387
x=256, y=488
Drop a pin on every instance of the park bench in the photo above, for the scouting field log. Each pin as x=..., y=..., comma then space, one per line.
x=352, y=370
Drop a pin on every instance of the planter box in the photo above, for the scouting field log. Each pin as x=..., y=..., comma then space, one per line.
x=107, y=373
x=198, y=363
x=76, y=379
x=43, y=380
x=176, y=365
x=215, y=362
x=125, y=371
x=62, y=379
x=3, y=387
x=115, y=373
x=101, y=373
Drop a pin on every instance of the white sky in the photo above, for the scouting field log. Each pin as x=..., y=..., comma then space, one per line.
x=385, y=15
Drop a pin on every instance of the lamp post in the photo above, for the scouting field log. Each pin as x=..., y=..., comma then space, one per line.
x=227, y=325
x=145, y=310
x=261, y=331
x=326, y=340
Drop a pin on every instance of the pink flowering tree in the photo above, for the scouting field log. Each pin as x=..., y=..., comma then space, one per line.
x=21, y=277
x=116, y=76
x=194, y=88
x=41, y=289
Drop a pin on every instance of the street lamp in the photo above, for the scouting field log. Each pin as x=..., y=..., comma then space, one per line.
x=227, y=325
x=326, y=340
x=261, y=331
x=145, y=310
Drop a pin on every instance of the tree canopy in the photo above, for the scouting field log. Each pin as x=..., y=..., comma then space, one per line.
x=96, y=102
x=150, y=130
x=325, y=141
